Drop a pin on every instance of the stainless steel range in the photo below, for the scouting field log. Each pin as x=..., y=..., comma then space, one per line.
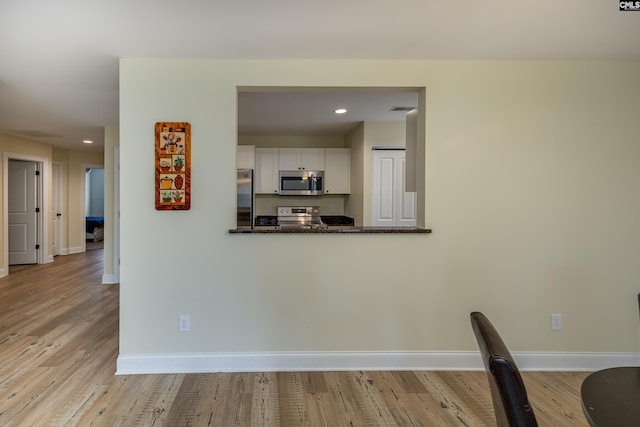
x=303, y=217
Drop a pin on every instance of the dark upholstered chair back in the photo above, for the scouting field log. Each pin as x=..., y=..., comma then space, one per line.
x=510, y=401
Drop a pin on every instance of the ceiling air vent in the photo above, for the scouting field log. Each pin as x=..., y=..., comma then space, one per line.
x=403, y=109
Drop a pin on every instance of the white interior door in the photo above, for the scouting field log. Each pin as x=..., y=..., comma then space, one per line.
x=383, y=197
x=22, y=222
x=391, y=205
x=56, y=208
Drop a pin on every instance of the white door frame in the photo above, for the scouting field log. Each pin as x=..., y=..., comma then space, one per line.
x=116, y=214
x=83, y=201
x=44, y=184
x=59, y=192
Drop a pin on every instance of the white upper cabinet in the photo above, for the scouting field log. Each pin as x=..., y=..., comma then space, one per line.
x=266, y=173
x=245, y=157
x=292, y=159
x=337, y=171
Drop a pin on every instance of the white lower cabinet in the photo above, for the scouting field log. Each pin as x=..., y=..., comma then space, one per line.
x=266, y=172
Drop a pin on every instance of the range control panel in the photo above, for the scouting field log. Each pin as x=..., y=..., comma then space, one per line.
x=297, y=211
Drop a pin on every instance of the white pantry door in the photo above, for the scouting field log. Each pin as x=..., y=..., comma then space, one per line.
x=22, y=196
x=392, y=206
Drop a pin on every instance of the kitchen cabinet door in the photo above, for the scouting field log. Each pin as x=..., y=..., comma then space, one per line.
x=245, y=157
x=313, y=159
x=291, y=159
x=337, y=171
x=266, y=172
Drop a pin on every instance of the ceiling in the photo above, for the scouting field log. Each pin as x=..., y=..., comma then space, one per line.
x=59, y=60
x=304, y=112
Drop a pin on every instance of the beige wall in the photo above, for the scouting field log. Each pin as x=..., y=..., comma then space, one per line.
x=355, y=203
x=531, y=192
x=16, y=144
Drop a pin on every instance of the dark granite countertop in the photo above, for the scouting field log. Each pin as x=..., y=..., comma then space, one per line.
x=331, y=230
x=330, y=220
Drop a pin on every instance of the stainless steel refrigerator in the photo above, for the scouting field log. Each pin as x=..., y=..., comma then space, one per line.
x=244, y=185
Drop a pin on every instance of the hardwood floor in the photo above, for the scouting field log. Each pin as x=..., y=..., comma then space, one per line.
x=58, y=349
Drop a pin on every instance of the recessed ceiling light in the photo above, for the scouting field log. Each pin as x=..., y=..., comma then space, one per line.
x=86, y=141
x=340, y=110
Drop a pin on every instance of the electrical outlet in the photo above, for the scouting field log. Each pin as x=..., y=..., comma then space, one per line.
x=556, y=322
x=185, y=323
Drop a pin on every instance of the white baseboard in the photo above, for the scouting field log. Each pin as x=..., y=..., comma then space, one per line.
x=75, y=250
x=573, y=361
x=3, y=272
x=360, y=361
x=109, y=279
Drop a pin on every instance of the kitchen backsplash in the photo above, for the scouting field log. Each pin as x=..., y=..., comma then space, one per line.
x=329, y=205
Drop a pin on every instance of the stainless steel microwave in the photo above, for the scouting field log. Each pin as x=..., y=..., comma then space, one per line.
x=301, y=183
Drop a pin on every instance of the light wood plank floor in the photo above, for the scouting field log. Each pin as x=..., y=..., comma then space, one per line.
x=58, y=349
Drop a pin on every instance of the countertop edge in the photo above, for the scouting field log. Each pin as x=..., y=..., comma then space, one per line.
x=349, y=230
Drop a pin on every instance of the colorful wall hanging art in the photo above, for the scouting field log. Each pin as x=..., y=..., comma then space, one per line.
x=173, y=166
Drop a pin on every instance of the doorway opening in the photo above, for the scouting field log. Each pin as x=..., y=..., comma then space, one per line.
x=94, y=208
x=274, y=119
